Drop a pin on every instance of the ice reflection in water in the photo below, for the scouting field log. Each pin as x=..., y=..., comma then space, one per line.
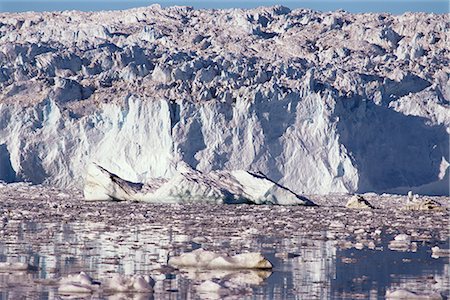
x=304, y=267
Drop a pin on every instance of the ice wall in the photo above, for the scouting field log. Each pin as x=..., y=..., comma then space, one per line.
x=319, y=102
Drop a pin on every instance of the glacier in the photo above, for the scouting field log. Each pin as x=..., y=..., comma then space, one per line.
x=317, y=102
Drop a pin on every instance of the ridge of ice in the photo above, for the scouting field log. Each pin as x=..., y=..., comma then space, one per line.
x=189, y=185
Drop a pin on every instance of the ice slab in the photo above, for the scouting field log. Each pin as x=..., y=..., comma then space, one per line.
x=189, y=185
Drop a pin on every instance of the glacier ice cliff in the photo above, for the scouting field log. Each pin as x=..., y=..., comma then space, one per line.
x=317, y=102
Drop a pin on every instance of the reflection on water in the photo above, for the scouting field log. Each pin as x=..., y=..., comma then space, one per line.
x=305, y=266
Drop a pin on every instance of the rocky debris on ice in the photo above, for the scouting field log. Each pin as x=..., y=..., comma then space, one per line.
x=415, y=203
x=319, y=102
x=189, y=185
x=358, y=202
x=413, y=295
x=203, y=259
x=425, y=204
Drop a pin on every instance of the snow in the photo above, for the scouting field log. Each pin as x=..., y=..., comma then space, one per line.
x=318, y=102
x=189, y=185
x=210, y=260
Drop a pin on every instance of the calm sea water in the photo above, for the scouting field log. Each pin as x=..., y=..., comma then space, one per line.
x=306, y=266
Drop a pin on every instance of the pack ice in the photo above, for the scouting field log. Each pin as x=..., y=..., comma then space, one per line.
x=316, y=102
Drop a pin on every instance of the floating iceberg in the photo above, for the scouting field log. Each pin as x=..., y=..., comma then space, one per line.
x=210, y=260
x=189, y=185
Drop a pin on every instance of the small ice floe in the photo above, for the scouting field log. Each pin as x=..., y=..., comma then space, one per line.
x=358, y=201
x=412, y=295
x=437, y=252
x=78, y=284
x=413, y=202
x=209, y=260
x=16, y=266
x=401, y=242
x=123, y=283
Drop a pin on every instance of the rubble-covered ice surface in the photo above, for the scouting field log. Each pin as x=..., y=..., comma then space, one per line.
x=190, y=185
x=317, y=102
x=316, y=252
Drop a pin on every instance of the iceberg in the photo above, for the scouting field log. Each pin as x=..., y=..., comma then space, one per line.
x=190, y=185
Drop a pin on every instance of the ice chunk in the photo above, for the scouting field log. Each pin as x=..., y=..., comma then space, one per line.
x=189, y=185
x=358, y=202
x=439, y=252
x=83, y=283
x=209, y=286
x=123, y=283
x=15, y=266
x=412, y=295
x=76, y=284
x=426, y=204
x=401, y=242
x=210, y=260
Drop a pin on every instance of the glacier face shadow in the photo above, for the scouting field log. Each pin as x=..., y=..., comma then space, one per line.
x=390, y=149
x=7, y=173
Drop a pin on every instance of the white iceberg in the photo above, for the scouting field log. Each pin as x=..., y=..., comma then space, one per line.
x=203, y=259
x=189, y=185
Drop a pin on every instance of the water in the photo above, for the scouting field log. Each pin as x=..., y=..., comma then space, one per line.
x=317, y=252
